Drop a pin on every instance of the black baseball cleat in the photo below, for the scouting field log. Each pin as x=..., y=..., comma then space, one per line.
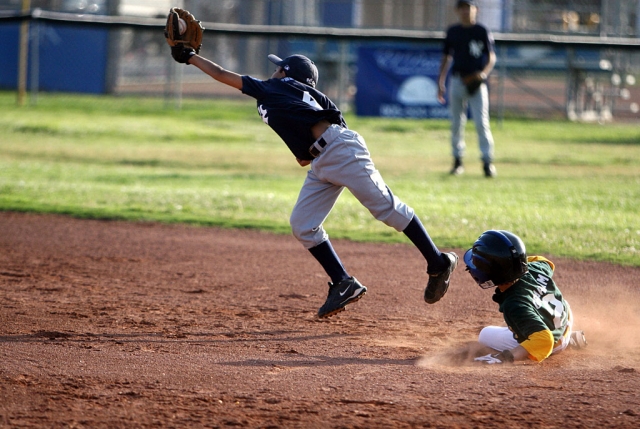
x=489, y=169
x=439, y=282
x=457, y=168
x=341, y=294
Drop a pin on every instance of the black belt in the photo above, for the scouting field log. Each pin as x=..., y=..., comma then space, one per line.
x=314, y=150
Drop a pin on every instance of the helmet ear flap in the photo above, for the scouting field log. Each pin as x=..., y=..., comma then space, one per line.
x=518, y=255
x=519, y=263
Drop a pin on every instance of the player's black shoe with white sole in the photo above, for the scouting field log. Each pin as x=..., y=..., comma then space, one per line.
x=489, y=170
x=458, y=167
x=439, y=282
x=341, y=294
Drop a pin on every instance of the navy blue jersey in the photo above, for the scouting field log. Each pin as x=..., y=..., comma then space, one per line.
x=291, y=108
x=469, y=47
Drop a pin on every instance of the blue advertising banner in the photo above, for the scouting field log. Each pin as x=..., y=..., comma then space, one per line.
x=399, y=82
x=71, y=58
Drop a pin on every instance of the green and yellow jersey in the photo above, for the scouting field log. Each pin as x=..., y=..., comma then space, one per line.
x=534, y=309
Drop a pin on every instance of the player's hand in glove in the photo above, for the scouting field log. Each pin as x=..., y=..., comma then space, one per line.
x=192, y=35
x=473, y=82
x=182, y=54
x=502, y=357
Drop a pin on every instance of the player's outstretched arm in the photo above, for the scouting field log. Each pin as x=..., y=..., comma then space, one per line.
x=215, y=71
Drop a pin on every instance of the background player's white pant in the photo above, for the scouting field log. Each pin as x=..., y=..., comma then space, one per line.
x=501, y=338
x=479, y=105
x=344, y=163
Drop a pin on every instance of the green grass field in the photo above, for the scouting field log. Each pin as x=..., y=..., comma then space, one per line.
x=567, y=189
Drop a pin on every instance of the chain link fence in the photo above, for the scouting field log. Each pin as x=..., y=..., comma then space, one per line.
x=584, y=83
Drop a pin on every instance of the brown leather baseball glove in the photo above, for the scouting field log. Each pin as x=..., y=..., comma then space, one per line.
x=472, y=82
x=192, y=36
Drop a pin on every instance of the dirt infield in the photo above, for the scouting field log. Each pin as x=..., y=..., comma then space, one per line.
x=115, y=324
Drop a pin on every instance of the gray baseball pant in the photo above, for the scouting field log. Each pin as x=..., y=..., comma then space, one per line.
x=345, y=162
x=479, y=105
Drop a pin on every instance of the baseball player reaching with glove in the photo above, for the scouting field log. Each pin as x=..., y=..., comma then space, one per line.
x=539, y=319
x=469, y=46
x=315, y=131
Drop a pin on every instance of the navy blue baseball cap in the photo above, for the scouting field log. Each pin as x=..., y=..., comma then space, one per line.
x=297, y=67
x=469, y=2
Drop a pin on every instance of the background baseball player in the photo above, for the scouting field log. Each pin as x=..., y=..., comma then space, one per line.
x=316, y=133
x=539, y=320
x=469, y=46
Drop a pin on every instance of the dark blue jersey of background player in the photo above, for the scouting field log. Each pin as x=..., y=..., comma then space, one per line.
x=469, y=46
x=291, y=109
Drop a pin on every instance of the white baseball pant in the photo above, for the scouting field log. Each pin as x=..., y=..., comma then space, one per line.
x=501, y=338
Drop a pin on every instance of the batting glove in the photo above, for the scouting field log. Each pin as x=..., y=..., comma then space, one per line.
x=502, y=357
